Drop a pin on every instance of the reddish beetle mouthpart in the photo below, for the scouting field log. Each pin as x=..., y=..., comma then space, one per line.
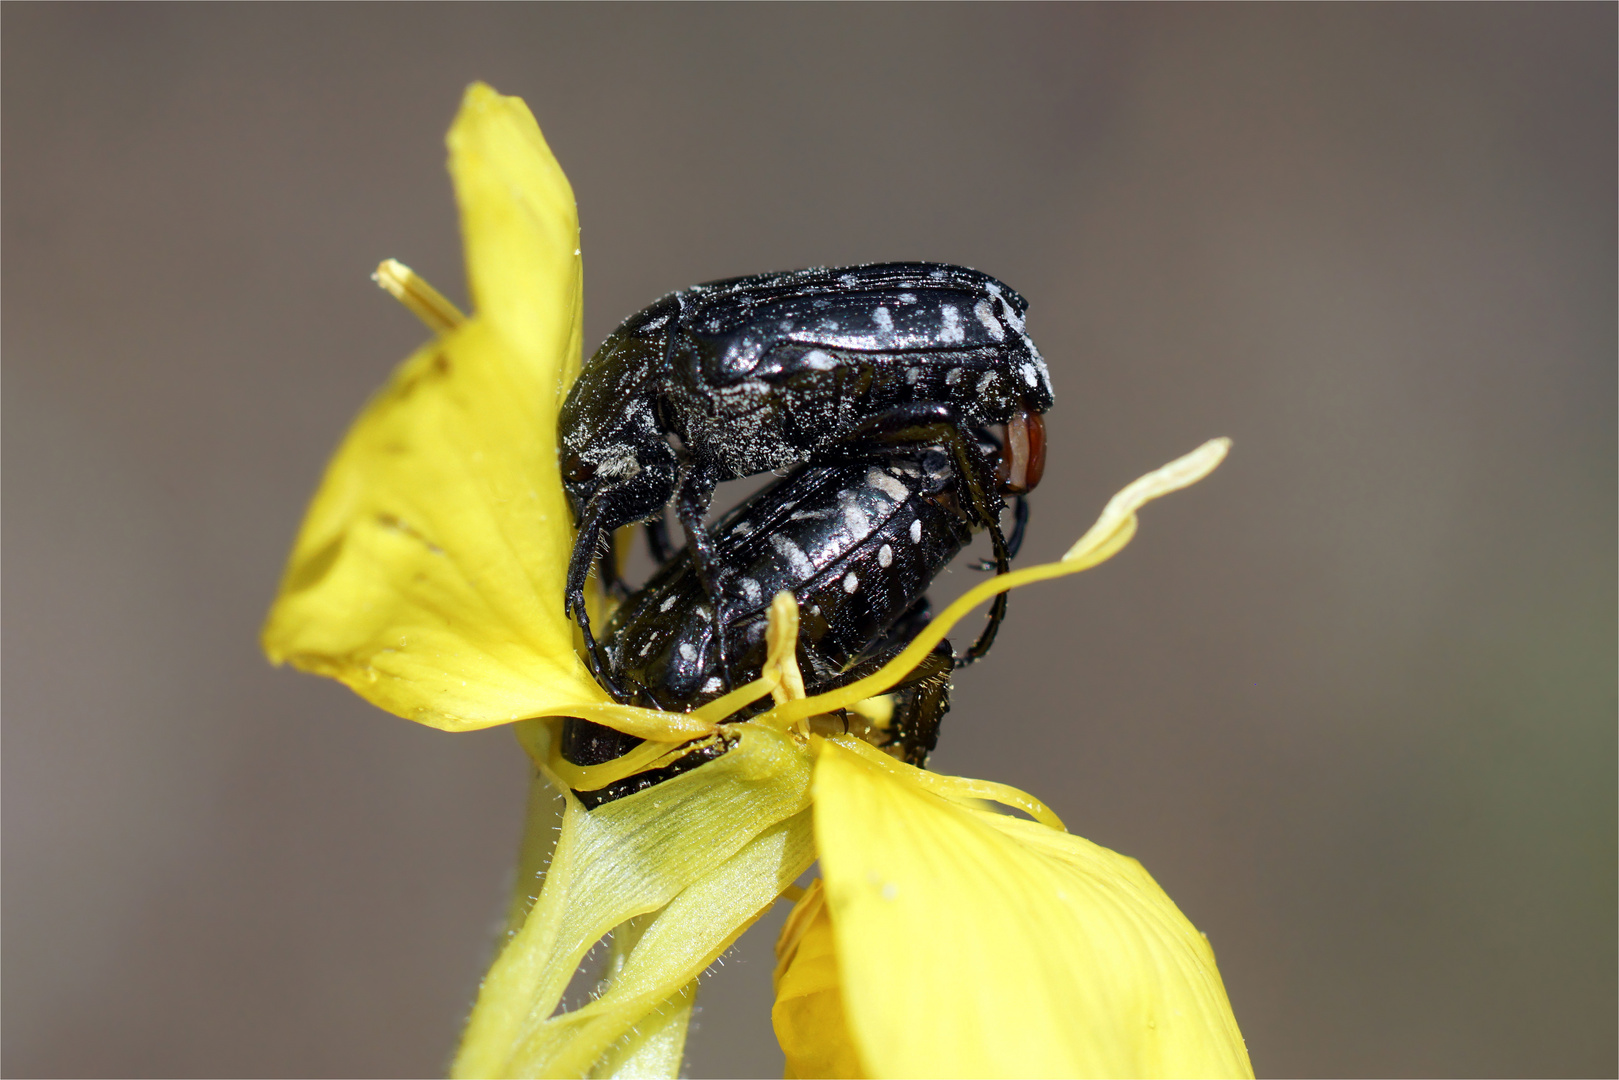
x=1023, y=452
x=1037, y=451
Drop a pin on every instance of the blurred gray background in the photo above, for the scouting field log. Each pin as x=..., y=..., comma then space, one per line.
x=1351, y=701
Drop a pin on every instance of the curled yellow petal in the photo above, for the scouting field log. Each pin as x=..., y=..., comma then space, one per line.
x=1119, y=513
x=974, y=944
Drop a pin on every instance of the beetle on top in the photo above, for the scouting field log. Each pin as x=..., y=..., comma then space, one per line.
x=822, y=366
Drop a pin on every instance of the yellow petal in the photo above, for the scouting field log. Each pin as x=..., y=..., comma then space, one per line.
x=976, y=944
x=428, y=575
x=808, y=1014
x=521, y=230
x=703, y=854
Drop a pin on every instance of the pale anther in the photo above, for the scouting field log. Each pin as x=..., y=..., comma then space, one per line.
x=424, y=301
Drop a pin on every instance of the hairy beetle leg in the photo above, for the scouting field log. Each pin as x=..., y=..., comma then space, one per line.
x=613, y=583
x=585, y=553
x=920, y=701
x=919, y=707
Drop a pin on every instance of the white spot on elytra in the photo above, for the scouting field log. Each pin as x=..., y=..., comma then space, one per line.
x=953, y=376
x=986, y=384
x=743, y=528
x=850, y=583
x=950, y=328
x=816, y=360
x=986, y=315
x=913, y=375
x=1039, y=361
x=916, y=531
x=1031, y=376
x=815, y=609
x=854, y=515
x=1008, y=312
x=668, y=602
x=750, y=590
x=688, y=652
x=713, y=685
x=907, y=298
x=884, y=321
x=796, y=559
x=885, y=557
x=886, y=484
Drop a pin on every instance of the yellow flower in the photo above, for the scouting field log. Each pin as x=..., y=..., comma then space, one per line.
x=943, y=938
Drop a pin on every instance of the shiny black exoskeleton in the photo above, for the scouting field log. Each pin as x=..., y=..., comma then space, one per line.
x=858, y=545
x=821, y=366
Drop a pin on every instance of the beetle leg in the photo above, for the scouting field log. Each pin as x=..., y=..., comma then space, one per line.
x=692, y=499
x=920, y=704
x=1014, y=543
x=584, y=553
x=997, y=610
x=920, y=701
x=1020, y=522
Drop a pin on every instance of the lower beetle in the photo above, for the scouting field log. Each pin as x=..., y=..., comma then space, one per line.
x=858, y=545
x=822, y=366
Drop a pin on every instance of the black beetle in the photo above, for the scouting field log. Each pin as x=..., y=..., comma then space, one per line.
x=820, y=366
x=858, y=545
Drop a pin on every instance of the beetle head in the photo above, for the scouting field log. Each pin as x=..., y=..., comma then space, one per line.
x=612, y=448
x=629, y=478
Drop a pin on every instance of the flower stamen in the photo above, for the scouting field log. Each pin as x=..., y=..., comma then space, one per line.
x=781, y=640
x=424, y=301
x=1112, y=531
